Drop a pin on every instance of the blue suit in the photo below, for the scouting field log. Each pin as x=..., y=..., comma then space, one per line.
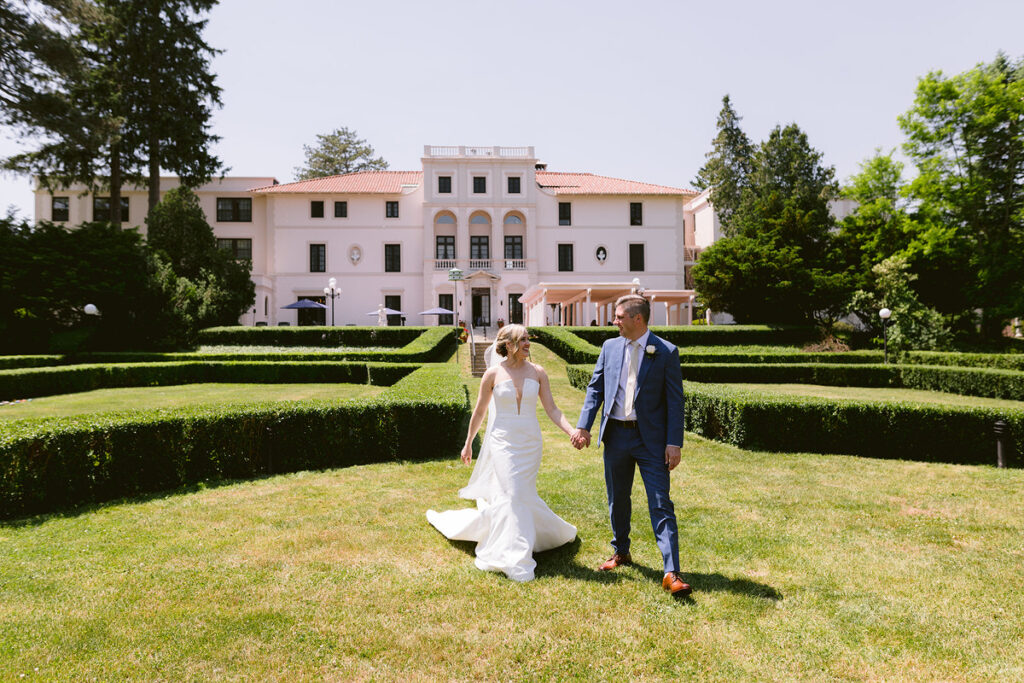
x=658, y=404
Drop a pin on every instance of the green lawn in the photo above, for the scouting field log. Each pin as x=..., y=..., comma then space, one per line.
x=109, y=400
x=805, y=567
x=868, y=394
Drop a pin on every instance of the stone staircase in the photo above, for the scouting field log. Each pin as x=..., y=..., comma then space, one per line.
x=478, y=364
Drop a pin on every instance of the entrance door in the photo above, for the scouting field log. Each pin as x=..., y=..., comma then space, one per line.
x=515, y=309
x=446, y=301
x=394, y=302
x=313, y=316
x=481, y=307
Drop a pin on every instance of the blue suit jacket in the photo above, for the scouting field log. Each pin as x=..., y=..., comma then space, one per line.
x=659, y=393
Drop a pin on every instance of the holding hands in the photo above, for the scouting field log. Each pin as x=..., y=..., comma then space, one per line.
x=580, y=438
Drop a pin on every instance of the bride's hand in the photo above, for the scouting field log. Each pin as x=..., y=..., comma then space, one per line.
x=467, y=454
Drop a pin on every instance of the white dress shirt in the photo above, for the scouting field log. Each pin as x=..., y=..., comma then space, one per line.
x=618, y=408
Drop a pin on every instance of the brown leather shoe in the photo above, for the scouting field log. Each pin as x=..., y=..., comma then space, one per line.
x=675, y=585
x=614, y=561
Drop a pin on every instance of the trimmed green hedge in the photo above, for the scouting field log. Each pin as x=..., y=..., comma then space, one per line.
x=565, y=344
x=33, y=382
x=53, y=463
x=1004, y=361
x=239, y=335
x=762, y=420
x=431, y=344
x=883, y=429
x=981, y=382
x=709, y=335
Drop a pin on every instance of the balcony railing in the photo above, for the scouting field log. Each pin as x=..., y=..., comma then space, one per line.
x=462, y=151
x=444, y=263
x=480, y=264
x=515, y=264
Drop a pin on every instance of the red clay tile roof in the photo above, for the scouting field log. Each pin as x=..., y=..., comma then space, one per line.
x=588, y=183
x=362, y=182
x=395, y=182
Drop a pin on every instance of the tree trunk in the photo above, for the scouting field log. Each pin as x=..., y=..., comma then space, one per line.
x=154, y=171
x=115, y=184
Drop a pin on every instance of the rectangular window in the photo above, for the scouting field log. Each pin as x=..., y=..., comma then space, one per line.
x=479, y=247
x=565, y=213
x=445, y=247
x=446, y=301
x=234, y=209
x=318, y=258
x=391, y=209
x=101, y=209
x=636, y=257
x=239, y=248
x=394, y=302
x=564, y=258
x=60, y=209
x=444, y=184
x=316, y=208
x=392, y=259
x=479, y=184
x=513, y=246
x=636, y=213
x=341, y=209
x=513, y=185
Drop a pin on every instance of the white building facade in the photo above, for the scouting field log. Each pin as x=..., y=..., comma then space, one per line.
x=392, y=237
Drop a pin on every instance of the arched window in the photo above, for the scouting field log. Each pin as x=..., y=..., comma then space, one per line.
x=445, y=219
x=513, y=219
x=480, y=219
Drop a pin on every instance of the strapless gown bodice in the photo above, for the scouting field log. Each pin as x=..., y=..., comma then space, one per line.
x=510, y=521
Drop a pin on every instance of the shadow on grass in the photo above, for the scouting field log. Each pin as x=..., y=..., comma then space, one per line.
x=85, y=508
x=562, y=562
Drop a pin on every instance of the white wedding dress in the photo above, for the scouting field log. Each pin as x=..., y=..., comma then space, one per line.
x=510, y=521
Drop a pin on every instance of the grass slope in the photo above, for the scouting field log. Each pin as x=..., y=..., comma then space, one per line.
x=804, y=567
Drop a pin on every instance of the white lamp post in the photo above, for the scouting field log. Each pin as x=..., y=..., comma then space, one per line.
x=332, y=291
x=885, y=314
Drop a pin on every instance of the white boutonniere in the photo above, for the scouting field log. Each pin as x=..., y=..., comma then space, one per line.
x=650, y=350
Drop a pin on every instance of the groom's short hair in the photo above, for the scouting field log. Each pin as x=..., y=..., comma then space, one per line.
x=634, y=304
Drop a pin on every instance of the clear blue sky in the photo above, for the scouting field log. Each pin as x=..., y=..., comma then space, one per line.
x=626, y=89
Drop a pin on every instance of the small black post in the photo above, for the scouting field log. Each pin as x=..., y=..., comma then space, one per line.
x=1002, y=445
x=885, y=341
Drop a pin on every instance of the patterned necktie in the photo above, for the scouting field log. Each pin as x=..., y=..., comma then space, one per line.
x=634, y=363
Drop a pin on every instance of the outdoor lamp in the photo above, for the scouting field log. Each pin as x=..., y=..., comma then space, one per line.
x=332, y=291
x=90, y=309
x=885, y=314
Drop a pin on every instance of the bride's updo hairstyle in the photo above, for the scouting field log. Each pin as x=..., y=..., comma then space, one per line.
x=508, y=339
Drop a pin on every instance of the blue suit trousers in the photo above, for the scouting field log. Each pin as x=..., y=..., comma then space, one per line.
x=624, y=451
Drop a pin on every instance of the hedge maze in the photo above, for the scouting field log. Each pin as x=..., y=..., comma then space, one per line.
x=885, y=428
x=50, y=463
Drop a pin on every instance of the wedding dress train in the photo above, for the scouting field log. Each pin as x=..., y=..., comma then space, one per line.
x=510, y=521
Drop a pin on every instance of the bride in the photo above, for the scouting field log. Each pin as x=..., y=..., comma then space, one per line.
x=510, y=521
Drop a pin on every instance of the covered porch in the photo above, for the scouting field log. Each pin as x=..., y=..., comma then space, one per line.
x=588, y=303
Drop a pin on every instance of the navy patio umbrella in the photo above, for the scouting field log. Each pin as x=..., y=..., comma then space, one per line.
x=306, y=303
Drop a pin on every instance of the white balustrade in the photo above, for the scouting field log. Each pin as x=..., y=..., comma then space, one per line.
x=515, y=264
x=479, y=264
x=444, y=264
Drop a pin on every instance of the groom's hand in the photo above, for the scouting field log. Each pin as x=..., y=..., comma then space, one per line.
x=672, y=456
x=580, y=438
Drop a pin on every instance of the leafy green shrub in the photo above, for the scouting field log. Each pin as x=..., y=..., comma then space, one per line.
x=238, y=335
x=987, y=382
x=57, y=462
x=829, y=374
x=883, y=429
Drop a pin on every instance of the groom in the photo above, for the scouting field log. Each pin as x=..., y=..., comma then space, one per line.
x=639, y=383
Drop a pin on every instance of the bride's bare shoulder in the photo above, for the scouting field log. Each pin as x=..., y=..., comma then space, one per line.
x=539, y=369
